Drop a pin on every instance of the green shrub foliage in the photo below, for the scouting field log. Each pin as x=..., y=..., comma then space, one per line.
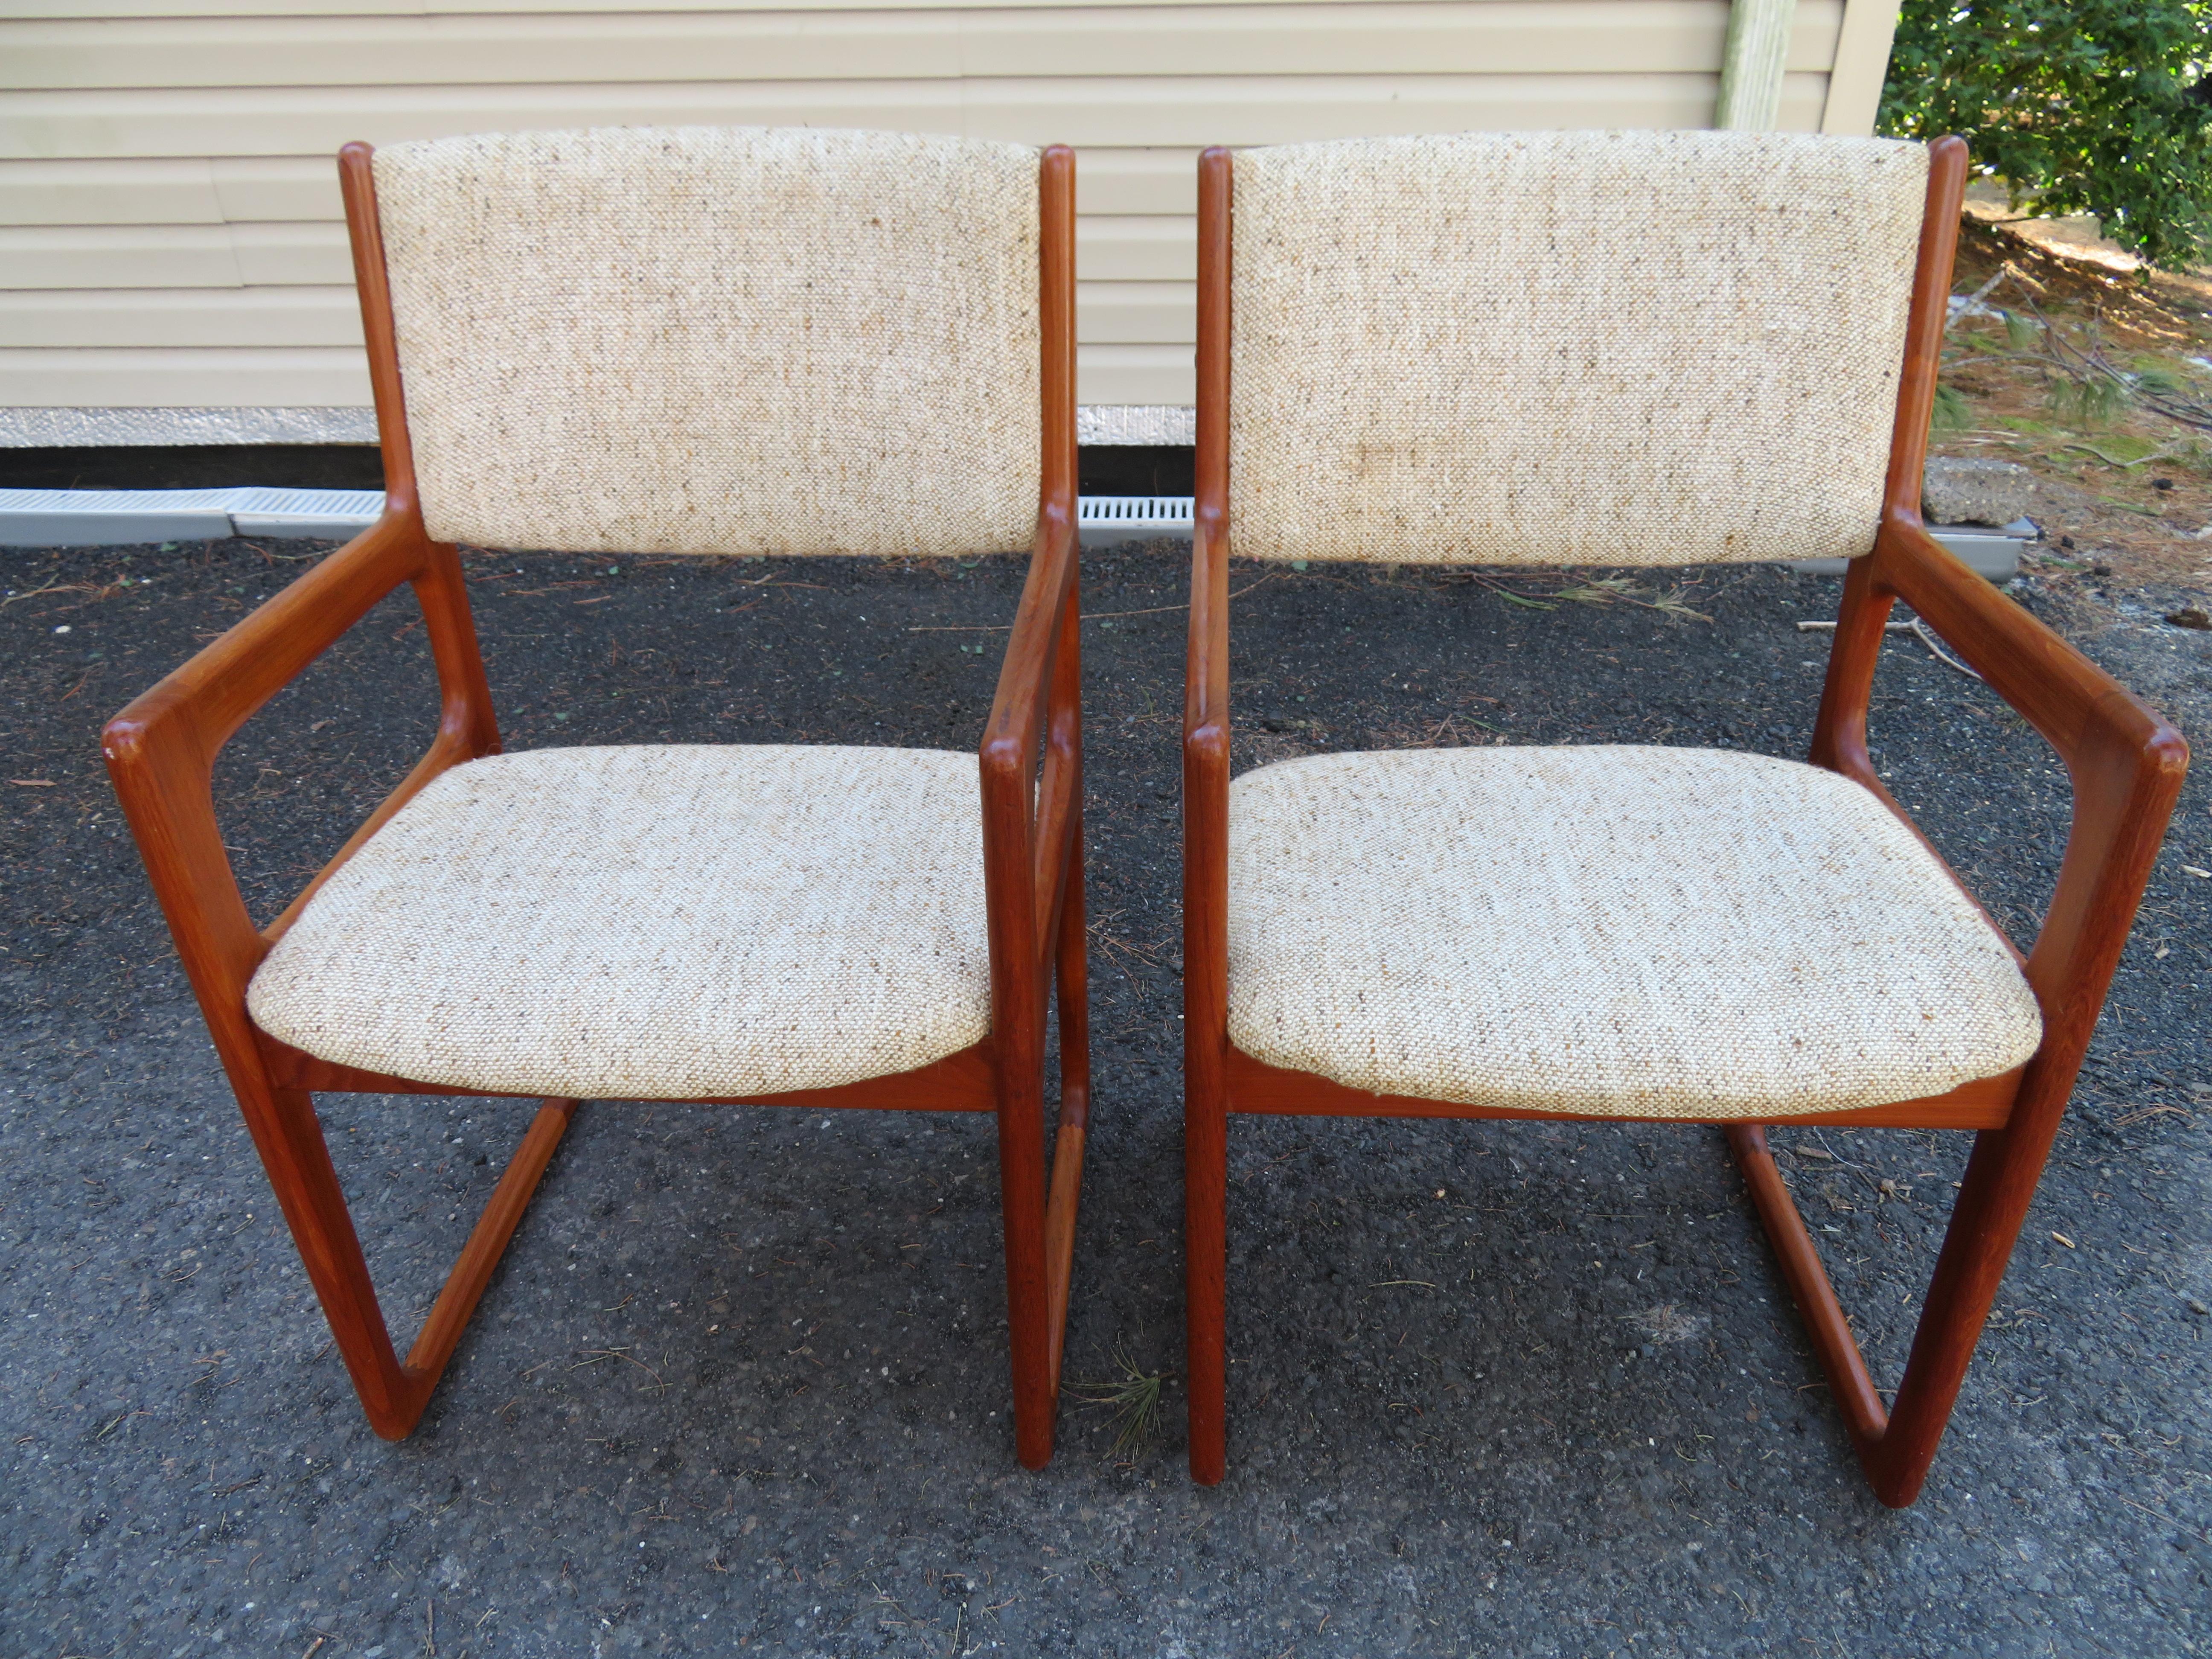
x=2081, y=105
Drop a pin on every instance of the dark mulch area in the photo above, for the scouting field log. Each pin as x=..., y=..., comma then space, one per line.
x=1104, y=469
x=193, y=467
x=715, y=1400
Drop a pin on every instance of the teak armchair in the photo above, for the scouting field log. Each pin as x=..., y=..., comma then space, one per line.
x=1623, y=348
x=687, y=341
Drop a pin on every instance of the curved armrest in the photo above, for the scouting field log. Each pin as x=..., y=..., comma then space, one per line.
x=161, y=749
x=2080, y=709
x=1205, y=663
x=1028, y=823
x=1019, y=707
x=1206, y=700
x=2126, y=764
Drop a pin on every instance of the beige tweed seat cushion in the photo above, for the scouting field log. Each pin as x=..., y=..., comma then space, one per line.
x=656, y=922
x=1618, y=932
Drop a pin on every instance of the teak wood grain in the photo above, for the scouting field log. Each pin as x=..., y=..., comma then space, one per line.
x=2125, y=765
x=162, y=751
x=1255, y=1086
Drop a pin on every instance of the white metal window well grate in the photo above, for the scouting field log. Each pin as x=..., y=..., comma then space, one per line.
x=1102, y=518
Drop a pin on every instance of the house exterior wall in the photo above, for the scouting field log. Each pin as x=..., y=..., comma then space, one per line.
x=171, y=236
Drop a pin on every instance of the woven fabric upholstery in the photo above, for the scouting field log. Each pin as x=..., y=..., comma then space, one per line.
x=1610, y=931
x=651, y=923
x=1569, y=348
x=718, y=340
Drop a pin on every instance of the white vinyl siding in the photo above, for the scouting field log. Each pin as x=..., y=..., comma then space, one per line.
x=171, y=234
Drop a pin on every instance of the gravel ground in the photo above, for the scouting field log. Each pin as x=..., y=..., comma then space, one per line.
x=740, y=1382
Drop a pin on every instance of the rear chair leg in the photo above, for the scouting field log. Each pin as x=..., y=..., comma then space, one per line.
x=488, y=1241
x=1206, y=1263
x=1072, y=976
x=1022, y=1199
x=289, y=1137
x=1896, y=1446
x=1040, y=1211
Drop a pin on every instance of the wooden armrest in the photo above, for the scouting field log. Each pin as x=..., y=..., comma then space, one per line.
x=1028, y=822
x=161, y=749
x=203, y=702
x=1206, y=735
x=1205, y=664
x=2126, y=764
x=1206, y=789
x=2081, y=710
x=1018, y=709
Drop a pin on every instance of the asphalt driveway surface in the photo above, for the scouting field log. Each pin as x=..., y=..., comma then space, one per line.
x=740, y=1386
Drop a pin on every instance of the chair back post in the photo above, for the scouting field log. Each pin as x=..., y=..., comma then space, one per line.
x=1039, y=688
x=1061, y=925
x=1206, y=709
x=1057, y=335
x=1925, y=323
x=465, y=695
x=1028, y=829
x=1058, y=806
x=1205, y=845
x=1210, y=510
x=1839, y=728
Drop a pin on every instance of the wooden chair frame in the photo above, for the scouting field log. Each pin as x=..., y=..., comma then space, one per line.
x=162, y=751
x=2126, y=764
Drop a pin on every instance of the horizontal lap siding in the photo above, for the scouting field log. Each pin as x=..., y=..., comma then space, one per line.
x=1522, y=37
x=171, y=232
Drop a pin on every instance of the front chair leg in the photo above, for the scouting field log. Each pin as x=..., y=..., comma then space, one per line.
x=289, y=1137
x=1896, y=1446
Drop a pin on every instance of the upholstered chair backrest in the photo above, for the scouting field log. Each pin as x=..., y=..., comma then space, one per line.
x=1573, y=348
x=718, y=340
